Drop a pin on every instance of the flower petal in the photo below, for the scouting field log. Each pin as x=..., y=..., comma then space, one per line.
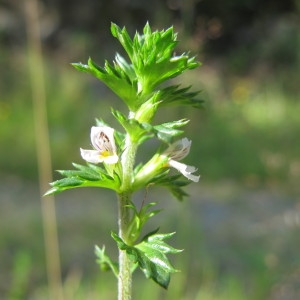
x=184, y=169
x=179, y=149
x=102, y=138
x=95, y=157
x=112, y=159
x=92, y=156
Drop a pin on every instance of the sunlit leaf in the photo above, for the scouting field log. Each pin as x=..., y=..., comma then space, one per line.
x=150, y=255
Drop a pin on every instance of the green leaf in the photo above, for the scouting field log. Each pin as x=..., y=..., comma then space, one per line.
x=152, y=62
x=85, y=176
x=105, y=262
x=166, y=131
x=123, y=37
x=174, y=185
x=119, y=78
x=136, y=131
x=67, y=182
x=150, y=255
x=173, y=95
x=139, y=218
x=152, y=57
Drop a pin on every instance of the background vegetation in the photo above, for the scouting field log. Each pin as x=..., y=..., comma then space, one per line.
x=240, y=227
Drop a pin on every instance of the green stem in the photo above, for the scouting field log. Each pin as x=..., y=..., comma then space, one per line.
x=125, y=276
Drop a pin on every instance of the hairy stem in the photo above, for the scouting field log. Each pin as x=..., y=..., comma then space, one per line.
x=125, y=277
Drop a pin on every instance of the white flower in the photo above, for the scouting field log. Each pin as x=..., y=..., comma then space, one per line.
x=103, y=141
x=178, y=151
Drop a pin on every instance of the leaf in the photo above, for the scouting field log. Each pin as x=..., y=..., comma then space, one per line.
x=105, y=262
x=174, y=185
x=84, y=176
x=150, y=255
x=151, y=62
x=166, y=131
x=67, y=182
x=117, y=77
x=173, y=95
x=136, y=131
x=139, y=218
x=123, y=37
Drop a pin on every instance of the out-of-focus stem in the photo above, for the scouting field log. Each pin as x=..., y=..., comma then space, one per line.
x=43, y=148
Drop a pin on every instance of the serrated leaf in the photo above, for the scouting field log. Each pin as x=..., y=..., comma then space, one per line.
x=67, y=182
x=136, y=131
x=152, y=62
x=115, y=78
x=166, y=131
x=150, y=257
x=139, y=218
x=85, y=176
x=173, y=95
x=123, y=37
x=90, y=176
x=174, y=185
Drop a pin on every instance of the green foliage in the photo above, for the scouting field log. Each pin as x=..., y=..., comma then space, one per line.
x=140, y=132
x=139, y=218
x=150, y=255
x=21, y=274
x=114, y=77
x=85, y=176
x=151, y=63
x=152, y=57
x=137, y=133
x=174, y=185
x=105, y=262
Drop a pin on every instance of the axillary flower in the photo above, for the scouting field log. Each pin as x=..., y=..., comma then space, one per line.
x=178, y=151
x=169, y=158
x=103, y=141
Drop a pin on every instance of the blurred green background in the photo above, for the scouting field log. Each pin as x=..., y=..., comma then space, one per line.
x=240, y=226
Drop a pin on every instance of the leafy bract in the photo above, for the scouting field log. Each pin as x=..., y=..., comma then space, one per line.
x=174, y=185
x=119, y=78
x=84, y=176
x=152, y=56
x=173, y=95
x=151, y=62
x=139, y=132
x=139, y=218
x=150, y=255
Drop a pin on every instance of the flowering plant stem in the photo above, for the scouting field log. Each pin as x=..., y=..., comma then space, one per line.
x=124, y=198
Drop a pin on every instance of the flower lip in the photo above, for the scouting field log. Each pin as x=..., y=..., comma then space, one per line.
x=102, y=138
x=178, y=151
x=184, y=169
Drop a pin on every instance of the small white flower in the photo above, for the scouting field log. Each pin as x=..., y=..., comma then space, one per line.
x=178, y=151
x=103, y=141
